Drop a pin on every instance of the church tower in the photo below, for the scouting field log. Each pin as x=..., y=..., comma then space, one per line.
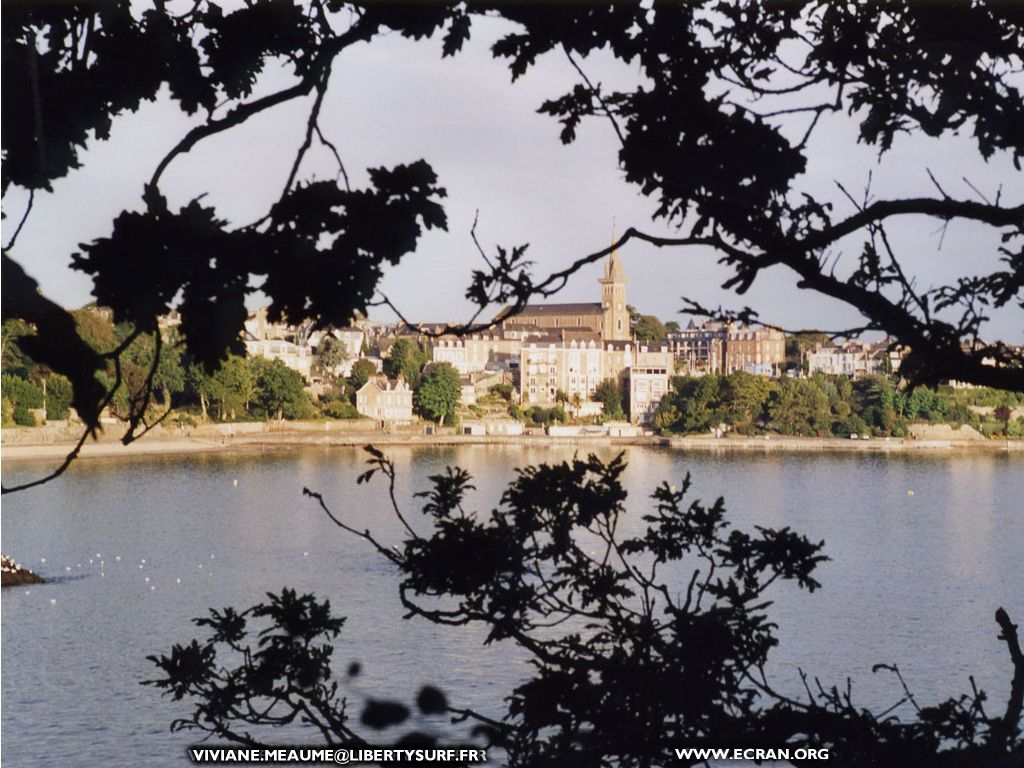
x=613, y=300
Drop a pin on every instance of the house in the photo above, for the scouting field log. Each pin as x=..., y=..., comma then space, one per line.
x=719, y=347
x=384, y=401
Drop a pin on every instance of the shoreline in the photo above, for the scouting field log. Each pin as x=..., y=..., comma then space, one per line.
x=162, y=445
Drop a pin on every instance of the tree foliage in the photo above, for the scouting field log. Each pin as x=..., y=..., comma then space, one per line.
x=708, y=130
x=406, y=358
x=330, y=353
x=625, y=663
x=825, y=406
x=278, y=391
x=609, y=394
x=439, y=393
x=645, y=328
x=362, y=371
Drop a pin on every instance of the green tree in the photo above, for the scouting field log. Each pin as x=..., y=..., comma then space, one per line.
x=59, y=395
x=672, y=326
x=14, y=359
x=503, y=390
x=609, y=394
x=799, y=407
x=406, y=358
x=24, y=396
x=229, y=389
x=798, y=344
x=438, y=394
x=330, y=353
x=278, y=392
x=645, y=328
x=362, y=371
x=705, y=97
x=743, y=398
x=692, y=405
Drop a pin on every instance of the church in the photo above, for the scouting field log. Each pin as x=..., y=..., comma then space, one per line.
x=609, y=318
x=574, y=347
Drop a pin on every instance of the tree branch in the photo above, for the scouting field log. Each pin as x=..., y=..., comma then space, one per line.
x=359, y=31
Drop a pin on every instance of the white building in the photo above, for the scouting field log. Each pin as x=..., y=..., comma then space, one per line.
x=853, y=359
x=386, y=402
x=648, y=384
x=298, y=358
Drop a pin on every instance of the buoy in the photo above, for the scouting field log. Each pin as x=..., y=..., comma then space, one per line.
x=53, y=601
x=42, y=559
x=147, y=579
x=178, y=580
x=235, y=482
x=305, y=554
x=118, y=558
x=910, y=493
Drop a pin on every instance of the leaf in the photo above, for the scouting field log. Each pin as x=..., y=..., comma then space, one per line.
x=383, y=714
x=431, y=701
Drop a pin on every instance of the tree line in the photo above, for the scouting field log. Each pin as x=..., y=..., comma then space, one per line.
x=240, y=389
x=830, y=406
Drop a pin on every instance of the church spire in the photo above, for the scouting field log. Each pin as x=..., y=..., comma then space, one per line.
x=615, y=325
x=613, y=269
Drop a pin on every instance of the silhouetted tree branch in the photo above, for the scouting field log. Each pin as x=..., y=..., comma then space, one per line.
x=624, y=666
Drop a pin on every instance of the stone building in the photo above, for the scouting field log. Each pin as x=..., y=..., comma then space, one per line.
x=719, y=347
x=385, y=401
x=575, y=363
x=609, y=318
x=497, y=351
x=760, y=351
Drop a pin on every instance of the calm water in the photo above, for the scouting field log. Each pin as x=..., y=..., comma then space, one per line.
x=914, y=579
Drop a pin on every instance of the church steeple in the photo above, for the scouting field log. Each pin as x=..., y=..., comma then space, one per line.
x=613, y=298
x=613, y=268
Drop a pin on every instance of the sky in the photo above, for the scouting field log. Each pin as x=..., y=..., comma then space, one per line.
x=395, y=101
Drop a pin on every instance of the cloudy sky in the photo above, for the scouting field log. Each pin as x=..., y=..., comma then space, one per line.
x=396, y=101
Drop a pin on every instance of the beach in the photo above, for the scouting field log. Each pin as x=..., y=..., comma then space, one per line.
x=42, y=444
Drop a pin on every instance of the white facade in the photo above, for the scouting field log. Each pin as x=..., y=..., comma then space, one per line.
x=298, y=358
x=648, y=384
x=472, y=354
x=384, y=401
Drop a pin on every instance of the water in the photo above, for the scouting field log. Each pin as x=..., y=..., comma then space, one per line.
x=914, y=579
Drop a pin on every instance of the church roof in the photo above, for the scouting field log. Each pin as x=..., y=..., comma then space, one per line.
x=579, y=308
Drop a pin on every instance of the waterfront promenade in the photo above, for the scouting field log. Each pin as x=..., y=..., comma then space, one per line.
x=41, y=443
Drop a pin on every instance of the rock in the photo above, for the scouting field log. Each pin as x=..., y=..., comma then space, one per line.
x=13, y=575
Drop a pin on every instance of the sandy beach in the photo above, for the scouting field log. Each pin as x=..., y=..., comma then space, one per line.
x=170, y=444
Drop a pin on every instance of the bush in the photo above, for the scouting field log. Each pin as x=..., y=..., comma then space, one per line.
x=338, y=409
x=21, y=392
x=59, y=396
x=23, y=417
x=851, y=425
x=504, y=391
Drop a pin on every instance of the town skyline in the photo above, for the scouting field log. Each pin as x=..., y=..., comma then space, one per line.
x=504, y=169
